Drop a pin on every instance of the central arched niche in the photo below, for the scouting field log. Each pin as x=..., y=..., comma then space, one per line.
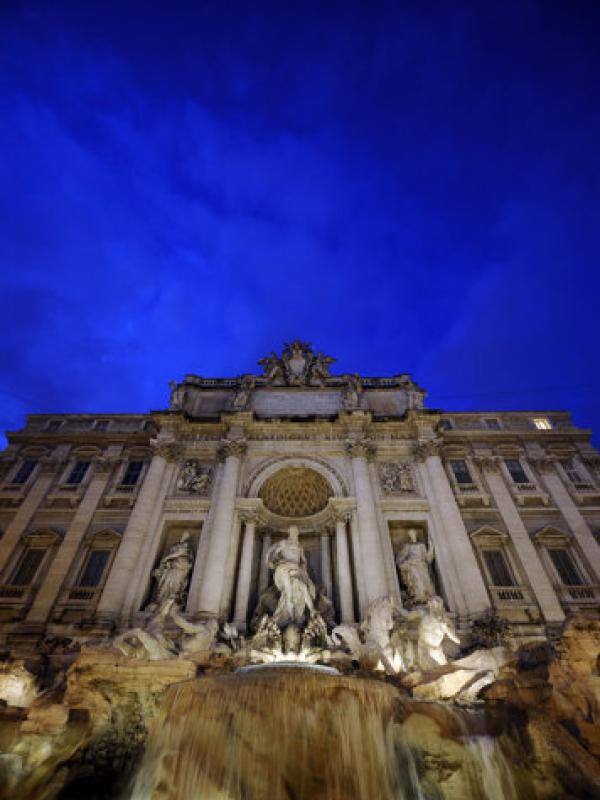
x=295, y=492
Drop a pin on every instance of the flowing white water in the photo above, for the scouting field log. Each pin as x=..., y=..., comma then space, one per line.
x=275, y=734
x=494, y=772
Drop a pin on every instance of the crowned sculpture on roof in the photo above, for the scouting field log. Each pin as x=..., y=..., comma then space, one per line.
x=298, y=365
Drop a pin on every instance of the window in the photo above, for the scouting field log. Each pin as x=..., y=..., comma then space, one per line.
x=54, y=425
x=101, y=424
x=564, y=565
x=461, y=471
x=24, y=471
x=148, y=425
x=498, y=568
x=132, y=473
x=571, y=470
x=517, y=473
x=542, y=423
x=28, y=566
x=94, y=567
x=78, y=472
x=446, y=424
x=492, y=424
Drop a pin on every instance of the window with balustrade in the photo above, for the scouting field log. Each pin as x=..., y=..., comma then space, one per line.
x=77, y=473
x=516, y=471
x=498, y=567
x=461, y=471
x=24, y=471
x=132, y=473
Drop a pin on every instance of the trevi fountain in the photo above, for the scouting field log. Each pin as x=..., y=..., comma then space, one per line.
x=307, y=588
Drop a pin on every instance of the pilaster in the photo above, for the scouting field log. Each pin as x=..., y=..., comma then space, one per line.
x=67, y=552
x=458, y=566
x=220, y=535
x=575, y=520
x=524, y=547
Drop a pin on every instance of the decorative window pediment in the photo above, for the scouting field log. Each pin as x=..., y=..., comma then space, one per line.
x=43, y=537
x=486, y=535
x=550, y=536
x=86, y=453
x=107, y=537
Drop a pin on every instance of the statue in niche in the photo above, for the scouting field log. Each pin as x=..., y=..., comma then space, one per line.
x=413, y=562
x=297, y=591
x=242, y=397
x=177, y=397
x=434, y=627
x=194, y=478
x=396, y=477
x=351, y=399
x=172, y=572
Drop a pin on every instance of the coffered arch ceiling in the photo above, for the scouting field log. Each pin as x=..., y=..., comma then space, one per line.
x=296, y=491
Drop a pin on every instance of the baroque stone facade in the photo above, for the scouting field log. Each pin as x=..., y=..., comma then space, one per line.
x=106, y=517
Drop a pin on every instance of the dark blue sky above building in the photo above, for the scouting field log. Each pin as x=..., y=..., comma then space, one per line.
x=412, y=187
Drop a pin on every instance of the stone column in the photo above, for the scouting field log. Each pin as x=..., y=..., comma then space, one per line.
x=242, y=594
x=357, y=561
x=454, y=552
x=344, y=576
x=373, y=557
x=32, y=500
x=326, y=566
x=151, y=496
x=575, y=520
x=228, y=576
x=220, y=534
x=67, y=552
x=528, y=555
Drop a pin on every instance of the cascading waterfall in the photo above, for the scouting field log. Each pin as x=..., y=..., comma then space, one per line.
x=277, y=733
x=280, y=732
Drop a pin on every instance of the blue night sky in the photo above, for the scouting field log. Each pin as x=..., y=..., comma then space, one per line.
x=409, y=186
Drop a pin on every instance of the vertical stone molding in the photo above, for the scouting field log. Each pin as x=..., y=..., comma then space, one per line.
x=67, y=552
x=373, y=563
x=37, y=491
x=326, y=576
x=220, y=534
x=127, y=561
x=357, y=562
x=532, y=565
x=455, y=557
x=575, y=520
x=263, y=574
x=344, y=575
x=242, y=594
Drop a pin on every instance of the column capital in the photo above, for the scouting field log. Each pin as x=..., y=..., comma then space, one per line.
x=543, y=463
x=50, y=464
x=487, y=463
x=361, y=448
x=232, y=447
x=167, y=449
x=105, y=464
x=424, y=450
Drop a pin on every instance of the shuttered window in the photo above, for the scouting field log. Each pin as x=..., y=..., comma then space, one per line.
x=517, y=473
x=28, y=566
x=24, y=471
x=93, y=571
x=565, y=567
x=132, y=473
x=78, y=472
x=498, y=568
x=461, y=471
